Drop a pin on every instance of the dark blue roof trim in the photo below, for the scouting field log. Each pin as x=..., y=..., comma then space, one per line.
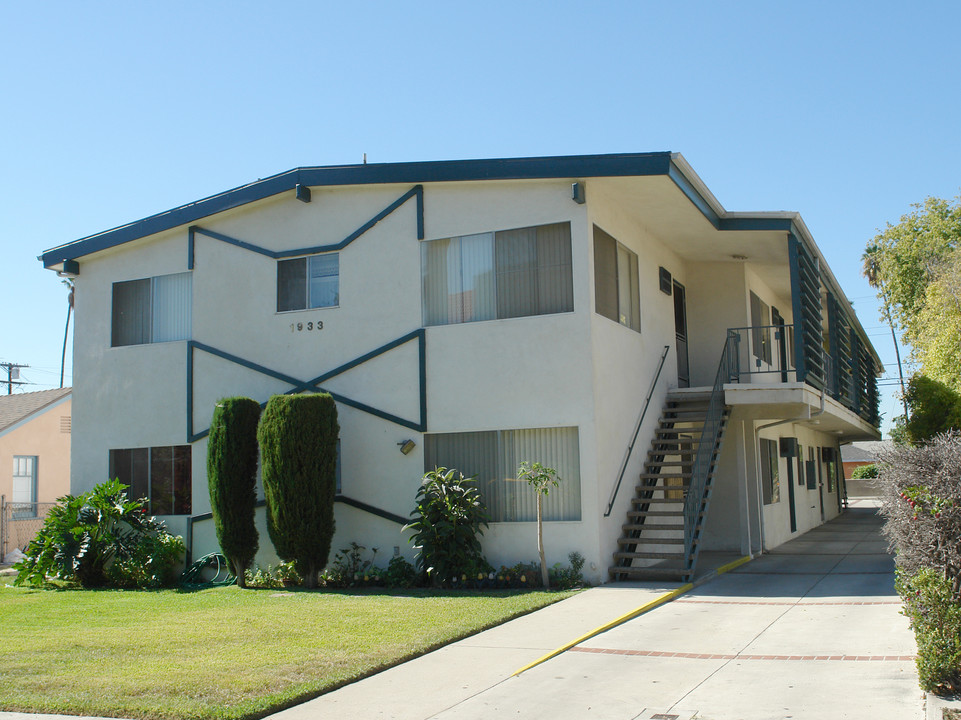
x=758, y=223
x=685, y=186
x=621, y=165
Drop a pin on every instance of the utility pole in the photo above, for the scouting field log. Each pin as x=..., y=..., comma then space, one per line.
x=13, y=375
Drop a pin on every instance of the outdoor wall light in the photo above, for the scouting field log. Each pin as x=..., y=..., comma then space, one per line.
x=406, y=446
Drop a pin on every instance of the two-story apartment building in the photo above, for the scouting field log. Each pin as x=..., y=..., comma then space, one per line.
x=690, y=372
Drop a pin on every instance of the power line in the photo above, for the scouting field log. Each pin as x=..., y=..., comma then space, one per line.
x=13, y=375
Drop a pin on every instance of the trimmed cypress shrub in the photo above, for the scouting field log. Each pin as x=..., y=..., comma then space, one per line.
x=232, y=480
x=298, y=447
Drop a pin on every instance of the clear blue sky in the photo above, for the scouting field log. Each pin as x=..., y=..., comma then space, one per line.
x=846, y=112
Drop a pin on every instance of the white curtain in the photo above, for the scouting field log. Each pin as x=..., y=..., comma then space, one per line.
x=476, y=297
x=170, y=308
x=324, y=280
x=627, y=290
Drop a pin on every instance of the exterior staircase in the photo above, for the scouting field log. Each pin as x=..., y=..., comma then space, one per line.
x=653, y=544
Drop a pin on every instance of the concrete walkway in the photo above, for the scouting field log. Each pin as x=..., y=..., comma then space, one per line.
x=811, y=630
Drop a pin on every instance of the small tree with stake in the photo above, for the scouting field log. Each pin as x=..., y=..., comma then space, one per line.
x=541, y=479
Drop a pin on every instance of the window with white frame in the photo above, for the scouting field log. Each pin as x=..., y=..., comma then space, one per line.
x=160, y=474
x=504, y=274
x=616, y=284
x=493, y=457
x=151, y=310
x=309, y=282
x=24, y=486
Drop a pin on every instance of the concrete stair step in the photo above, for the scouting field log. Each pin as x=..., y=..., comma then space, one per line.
x=653, y=573
x=649, y=555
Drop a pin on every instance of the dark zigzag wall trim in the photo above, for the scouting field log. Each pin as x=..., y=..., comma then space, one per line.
x=313, y=385
x=415, y=192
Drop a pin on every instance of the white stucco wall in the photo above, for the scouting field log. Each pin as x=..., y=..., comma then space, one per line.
x=624, y=365
x=575, y=369
x=777, y=525
x=502, y=374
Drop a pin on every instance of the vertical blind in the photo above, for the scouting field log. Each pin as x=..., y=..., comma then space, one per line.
x=170, y=314
x=494, y=456
x=616, y=281
x=506, y=274
x=151, y=310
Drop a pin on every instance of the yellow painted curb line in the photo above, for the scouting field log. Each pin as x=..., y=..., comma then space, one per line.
x=666, y=597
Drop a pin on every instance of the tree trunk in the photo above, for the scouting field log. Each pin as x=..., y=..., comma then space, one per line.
x=545, y=578
x=238, y=572
x=310, y=577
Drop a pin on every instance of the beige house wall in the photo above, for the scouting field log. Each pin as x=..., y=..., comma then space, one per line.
x=40, y=435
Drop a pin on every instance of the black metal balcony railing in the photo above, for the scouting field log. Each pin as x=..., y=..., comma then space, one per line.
x=766, y=354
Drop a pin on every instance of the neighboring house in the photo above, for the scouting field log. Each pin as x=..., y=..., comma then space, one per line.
x=488, y=311
x=34, y=459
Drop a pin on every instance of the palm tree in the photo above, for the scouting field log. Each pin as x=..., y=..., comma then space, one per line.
x=871, y=269
x=63, y=358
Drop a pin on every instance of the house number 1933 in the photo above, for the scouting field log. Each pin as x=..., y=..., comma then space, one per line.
x=307, y=326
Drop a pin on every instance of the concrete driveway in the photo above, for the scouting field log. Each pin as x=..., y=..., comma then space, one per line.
x=811, y=630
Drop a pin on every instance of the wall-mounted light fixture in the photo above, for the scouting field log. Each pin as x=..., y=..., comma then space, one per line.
x=302, y=193
x=578, y=193
x=406, y=446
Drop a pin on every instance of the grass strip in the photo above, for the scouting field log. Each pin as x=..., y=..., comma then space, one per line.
x=221, y=652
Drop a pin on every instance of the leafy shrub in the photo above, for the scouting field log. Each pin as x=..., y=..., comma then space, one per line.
x=348, y=568
x=935, y=618
x=232, y=480
x=298, y=446
x=921, y=502
x=865, y=472
x=570, y=576
x=447, y=521
x=269, y=577
x=101, y=538
x=261, y=579
x=400, y=574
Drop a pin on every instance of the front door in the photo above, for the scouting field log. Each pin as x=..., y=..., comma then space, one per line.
x=680, y=330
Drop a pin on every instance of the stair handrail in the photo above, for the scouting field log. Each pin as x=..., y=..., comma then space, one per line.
x=637, y=429
x=727, y=371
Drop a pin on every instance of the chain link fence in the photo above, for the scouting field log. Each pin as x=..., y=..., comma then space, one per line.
x=19, y=523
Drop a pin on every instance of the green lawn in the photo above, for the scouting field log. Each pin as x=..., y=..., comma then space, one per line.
x=223, y=652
